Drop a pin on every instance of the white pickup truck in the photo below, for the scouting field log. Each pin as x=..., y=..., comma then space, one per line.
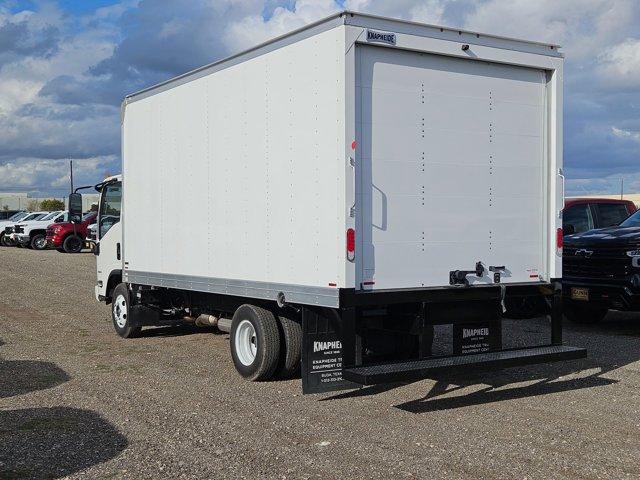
x=33, y=233
x=6, y=227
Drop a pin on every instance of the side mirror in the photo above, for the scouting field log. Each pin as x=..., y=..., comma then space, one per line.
x=75, y=207
x=569, y=229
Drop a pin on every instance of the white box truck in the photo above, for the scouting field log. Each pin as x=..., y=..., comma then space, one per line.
x=333, y=194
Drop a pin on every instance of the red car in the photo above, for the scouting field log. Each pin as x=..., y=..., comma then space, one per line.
x=582, y=214
x=65, y=238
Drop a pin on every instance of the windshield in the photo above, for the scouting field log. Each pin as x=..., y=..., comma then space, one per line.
x=18, y=216
x=632, y=221
x=50, y=216
x=87, y=216
x=33, y=216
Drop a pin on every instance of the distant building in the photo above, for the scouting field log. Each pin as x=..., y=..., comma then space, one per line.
x=22, y=201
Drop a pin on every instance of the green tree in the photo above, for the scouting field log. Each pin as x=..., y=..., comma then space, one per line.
x=52, y=204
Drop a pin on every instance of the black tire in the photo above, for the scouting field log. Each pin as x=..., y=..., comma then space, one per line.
x=2, y=240
x=6, y=241
x=584, y=314
x=123, y=324
x=61, y=250
x=73, y=244
x=265, y=337
x=290, y=347
x=39, y=241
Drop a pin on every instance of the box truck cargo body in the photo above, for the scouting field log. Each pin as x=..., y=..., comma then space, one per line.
x=349, y=185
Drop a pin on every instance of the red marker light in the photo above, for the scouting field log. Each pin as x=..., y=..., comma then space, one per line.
x=559, y=241
x=354, y=145
x=351, y=244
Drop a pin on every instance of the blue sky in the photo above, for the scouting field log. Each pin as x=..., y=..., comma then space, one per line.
x=65, y=65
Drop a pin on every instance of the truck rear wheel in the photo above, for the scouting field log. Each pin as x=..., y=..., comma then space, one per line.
x=585, y=314
x=39, y=241
x=255, y=342
x=121, y=313
x=290, y=347
x=72, y=244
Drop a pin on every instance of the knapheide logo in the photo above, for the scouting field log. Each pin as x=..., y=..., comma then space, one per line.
x=322, y=346
x=373, y=36
x=474, y=332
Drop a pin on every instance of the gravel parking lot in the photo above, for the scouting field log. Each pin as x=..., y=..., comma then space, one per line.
x=77, y=401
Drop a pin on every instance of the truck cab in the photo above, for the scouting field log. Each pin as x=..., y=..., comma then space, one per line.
x=108, y=250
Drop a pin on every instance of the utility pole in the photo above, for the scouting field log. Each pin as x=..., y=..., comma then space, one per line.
x=621, y=187
x=71, y=174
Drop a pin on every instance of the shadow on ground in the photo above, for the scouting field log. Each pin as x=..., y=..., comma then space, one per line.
x=54, y=442
x=18, y=377
x=610, y=345
x=49, y=442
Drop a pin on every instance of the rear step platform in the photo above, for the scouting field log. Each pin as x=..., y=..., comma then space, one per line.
x=418, y=369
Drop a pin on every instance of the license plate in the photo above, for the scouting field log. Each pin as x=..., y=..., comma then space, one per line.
x=580, y=294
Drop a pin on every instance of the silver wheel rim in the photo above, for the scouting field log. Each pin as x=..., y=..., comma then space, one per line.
x=40, y=242
x=120, y=311
x=246, y=342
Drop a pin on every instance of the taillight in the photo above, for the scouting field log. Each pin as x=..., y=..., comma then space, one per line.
x=351, y=244
x=559, y=241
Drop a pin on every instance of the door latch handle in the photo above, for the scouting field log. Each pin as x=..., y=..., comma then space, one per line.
x=459, y=277
x=118, y=251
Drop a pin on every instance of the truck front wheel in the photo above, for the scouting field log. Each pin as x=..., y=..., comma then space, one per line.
x=121, y=313
x=255, y=342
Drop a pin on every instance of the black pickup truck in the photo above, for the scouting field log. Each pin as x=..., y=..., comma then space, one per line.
x=601, y=271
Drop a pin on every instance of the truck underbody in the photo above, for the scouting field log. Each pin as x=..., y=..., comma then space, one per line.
x=382, y=336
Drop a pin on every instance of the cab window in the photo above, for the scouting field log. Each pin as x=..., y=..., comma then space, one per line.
x=610, y=214
x=110, y=206
x=579, y=217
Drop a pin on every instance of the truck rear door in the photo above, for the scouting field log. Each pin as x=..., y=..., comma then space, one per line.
x=450, y=169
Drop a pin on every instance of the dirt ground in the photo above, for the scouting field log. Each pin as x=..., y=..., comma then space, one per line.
x=77, y=401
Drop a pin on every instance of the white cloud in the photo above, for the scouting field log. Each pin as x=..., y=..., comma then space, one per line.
x=37, y=174
x=620, y=63
x=627, y=134
x=253, y=29
x=582, y=27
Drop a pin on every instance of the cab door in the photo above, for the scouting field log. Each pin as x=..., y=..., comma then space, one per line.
x=109, y=236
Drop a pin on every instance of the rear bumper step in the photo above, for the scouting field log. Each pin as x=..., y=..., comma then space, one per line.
x=418, y=369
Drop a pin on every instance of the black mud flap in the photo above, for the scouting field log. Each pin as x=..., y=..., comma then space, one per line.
x=142, y=316
x=322, y=353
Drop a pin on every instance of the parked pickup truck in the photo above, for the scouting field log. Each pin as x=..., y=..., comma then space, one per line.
x=7, y=227
x=16, y=217
x=582, y=214
x=601, y=271
x=33, y=233
x=66, y=238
